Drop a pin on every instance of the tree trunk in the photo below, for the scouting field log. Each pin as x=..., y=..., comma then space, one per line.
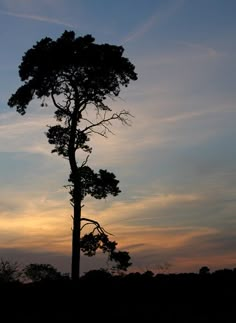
x=75, y=266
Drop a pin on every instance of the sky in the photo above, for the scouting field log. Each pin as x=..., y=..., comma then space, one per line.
x=177, y=161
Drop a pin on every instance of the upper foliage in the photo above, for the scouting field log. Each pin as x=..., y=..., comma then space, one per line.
x=75, y=67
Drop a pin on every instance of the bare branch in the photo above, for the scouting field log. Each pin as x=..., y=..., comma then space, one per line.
x=84, y=225
x=122, y=116
x=101, y=132
x=59, y=106
x=83, y=105
x=85, y=161
x=95, y=223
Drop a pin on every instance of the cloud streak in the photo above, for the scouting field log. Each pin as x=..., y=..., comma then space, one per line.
x=202, y=49
x=37, y=18
x=36, y=220
x=158, y=17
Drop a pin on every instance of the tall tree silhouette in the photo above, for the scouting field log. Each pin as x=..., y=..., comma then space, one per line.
x=78, y=76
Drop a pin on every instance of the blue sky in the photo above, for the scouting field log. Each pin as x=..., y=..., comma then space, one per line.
x=176, y=163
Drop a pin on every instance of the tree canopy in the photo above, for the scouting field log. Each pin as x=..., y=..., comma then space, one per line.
x=76, y=68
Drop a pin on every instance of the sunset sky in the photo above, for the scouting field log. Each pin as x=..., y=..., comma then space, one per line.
x=176, y=163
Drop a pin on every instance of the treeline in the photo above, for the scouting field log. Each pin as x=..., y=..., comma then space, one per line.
x=100, y=295
x=13, y=272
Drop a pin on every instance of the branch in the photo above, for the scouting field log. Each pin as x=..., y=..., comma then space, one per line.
x=97, y=226
x=59, y=107
x=102, y=133
x=85, y=161
x=84, y=104
x=106, y=122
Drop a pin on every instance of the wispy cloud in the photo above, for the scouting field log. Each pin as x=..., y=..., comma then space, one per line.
x=31, y=221
x=23, y=134
x=159, y=16
x=37, y=18
x=142, y=29
x=201, y=49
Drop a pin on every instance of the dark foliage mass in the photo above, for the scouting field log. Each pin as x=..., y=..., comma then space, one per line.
x=41, y=272
x=58, y=67
x=134, y=297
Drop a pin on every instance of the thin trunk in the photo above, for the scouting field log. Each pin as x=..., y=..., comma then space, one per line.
x=75, y=266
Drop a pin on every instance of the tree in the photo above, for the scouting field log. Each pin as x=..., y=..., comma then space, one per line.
x=41, y=272
x=204, y=270
x=79, y=77
x=9, y=272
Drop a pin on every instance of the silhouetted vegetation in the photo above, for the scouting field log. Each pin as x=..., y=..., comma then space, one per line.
x=146, y=297
x=78, y=77
x=41, y=272
x=9, y=272
x=204, y=270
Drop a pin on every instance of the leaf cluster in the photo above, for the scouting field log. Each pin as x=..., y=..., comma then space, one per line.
x=98, y=185
x=59, y=136
x=91, y=242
